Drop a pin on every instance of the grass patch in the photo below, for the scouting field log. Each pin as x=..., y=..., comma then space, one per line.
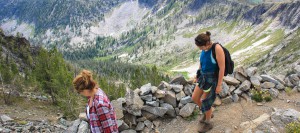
x=288, y=91
x=248, y=39
x=184, y=74
x=231, y=26
x=22, y=122
x=193, y=116
x=105, y=58
x=292, y=46
x=275, y=39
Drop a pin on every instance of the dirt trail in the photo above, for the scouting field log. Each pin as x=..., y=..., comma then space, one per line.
x=230, y=116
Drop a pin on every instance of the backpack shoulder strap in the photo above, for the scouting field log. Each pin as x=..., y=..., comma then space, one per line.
x=214, y=50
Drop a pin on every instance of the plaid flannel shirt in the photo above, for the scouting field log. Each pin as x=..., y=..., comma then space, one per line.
x=102, y=118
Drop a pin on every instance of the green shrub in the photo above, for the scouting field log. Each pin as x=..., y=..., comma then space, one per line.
x=257, y=96
x=260, y=96
x=293, y=127
x=268, y=98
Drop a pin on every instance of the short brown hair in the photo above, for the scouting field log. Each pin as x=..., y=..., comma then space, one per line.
x=84, y=81
x=202, y=39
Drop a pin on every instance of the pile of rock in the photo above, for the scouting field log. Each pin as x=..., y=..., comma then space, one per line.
x=139, y=110
x=244, y=80
x=141, y=107
x=8, y=125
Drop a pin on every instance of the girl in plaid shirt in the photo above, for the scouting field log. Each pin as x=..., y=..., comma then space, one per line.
x=100, y=112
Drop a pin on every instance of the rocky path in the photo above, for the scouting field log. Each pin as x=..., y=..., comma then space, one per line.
x=228, y=117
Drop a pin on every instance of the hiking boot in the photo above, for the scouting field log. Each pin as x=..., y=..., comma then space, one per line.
x=203, y=118
x=206, y=127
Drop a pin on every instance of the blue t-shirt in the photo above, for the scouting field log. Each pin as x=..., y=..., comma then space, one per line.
x=207, y=61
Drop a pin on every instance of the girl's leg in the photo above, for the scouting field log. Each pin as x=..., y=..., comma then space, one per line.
x=208, y=114
x=197, y=95
x=205, y=116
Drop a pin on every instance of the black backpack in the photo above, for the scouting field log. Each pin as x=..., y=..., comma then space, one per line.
x=229, y=64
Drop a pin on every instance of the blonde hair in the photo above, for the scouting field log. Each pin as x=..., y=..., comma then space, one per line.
x=84, y=81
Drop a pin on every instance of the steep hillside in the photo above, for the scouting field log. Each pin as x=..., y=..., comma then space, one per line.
x=46, y=14
x=161, y=32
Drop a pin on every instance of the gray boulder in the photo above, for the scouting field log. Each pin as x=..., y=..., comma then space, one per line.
x=153, y=89
x=274, y=92
x=186, y=100
x=294, y=79
x=177, y=88
x=129, y=131
x=180, y=80
x=283, y=117
x=288, y=82
x=5, y=118
x=245, y=86
x=187, y=110
x=241, y=70
x=83, y=127
x=164, y=85
x=122, y=125
x=235, y=98
x=227, y=100
x=148, y=115
x=267, y=85
x=188, y=89
x=280, y=87
x=117, y=104
x=140, y=126
x=146, y=89
x=153, y=103
x=251, y=71
x=133, y=103
x=231, y=89
x=170, y=111
x=74, y=127
x=180, y=95
x=268, y=78
x=159, y=111
x=170, y=98
x=160, y=94
x=130, y=120
x=255, y=81
x=147, y=97
x=238, y=91
x=231, y=81
x=225, y=90
x=279, y=78
x=240, y=77
x=148, y=124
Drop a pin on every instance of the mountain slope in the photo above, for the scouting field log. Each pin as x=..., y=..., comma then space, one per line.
x=161, y=32
x=56, y=13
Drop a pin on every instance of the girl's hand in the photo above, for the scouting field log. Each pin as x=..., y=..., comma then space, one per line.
x=219, y=89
